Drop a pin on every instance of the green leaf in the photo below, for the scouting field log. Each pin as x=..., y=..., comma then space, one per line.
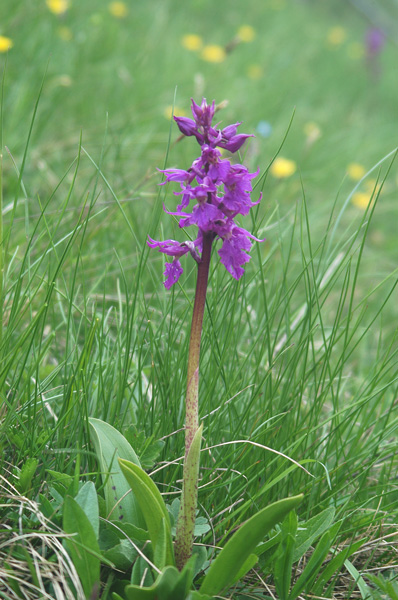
x=87, y=499
x=312, y=529
x=202, y=526
x=313, y=567
x=159, y=555
x=26, y=474
x=162, y=589
x=63, y=478
x=140, y=574
x=359, y=580
x=283, y=566
x=198, y=596
x=383, y=585
x=333, y=566
x=243, y=543
x=284, y=556
x=151, y=452
x=110, y=445
x=83, y=547
x=170, y=585
x=121, y=555
x=249, y=563
x=153, y=508
x=147, y=447
x=201, y=559
x=133, y=532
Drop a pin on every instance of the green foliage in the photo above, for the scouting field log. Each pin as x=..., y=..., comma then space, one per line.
x=236, y=553
x=154, y=510
x=87, y=499
x=147, y=447
x=82, y=545
x=293, y=543
x=171, y=584
x=26, y=474
x=385, y=588
x=311, y=530
x=299, y=357
x=110, y=445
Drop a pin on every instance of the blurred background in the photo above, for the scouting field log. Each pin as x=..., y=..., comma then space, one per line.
x=324, y=72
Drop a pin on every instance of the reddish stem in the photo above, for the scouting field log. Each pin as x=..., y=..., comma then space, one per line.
x=191, y=417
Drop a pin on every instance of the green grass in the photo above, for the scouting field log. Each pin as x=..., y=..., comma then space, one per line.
x=300, y=356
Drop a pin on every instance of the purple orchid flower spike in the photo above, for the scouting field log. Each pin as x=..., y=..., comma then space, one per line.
x=219, y=191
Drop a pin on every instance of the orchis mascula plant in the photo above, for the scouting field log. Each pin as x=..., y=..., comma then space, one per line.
x=220, y=190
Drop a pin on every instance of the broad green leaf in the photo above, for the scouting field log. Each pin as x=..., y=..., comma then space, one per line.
x=83, y=547
x=110, y=445
x=121, y=555
x=133, y=532
x=159, y=555
x=141, y=575
x=311, y=530
x=249, y=563
x=313, y=567
x=87, y=499
x=153, y=508
x=184, y=581
x=169, y=585
x=243, y=543
x=201, y=559
x=164, y=588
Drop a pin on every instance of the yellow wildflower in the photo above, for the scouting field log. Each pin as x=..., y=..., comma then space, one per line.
x=5, y=43
x=192, y=42
x=283, y=167
x=246, y=33
x=361, y=199
x=254, y=71
x=178, y=112
x=336, y=36
x=118, y=9
x=355, y=171
x=58, y=7
x=65, y=33
x=213, y=53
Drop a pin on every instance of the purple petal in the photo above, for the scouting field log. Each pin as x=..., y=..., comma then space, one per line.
x=176, y=175
x=204, y=113
x=185, y=125
x=169, y=247
x=172, y=273
x=233, y=256
x=235, y=142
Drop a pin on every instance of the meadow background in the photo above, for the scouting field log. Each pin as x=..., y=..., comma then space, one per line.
x=300, y=355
